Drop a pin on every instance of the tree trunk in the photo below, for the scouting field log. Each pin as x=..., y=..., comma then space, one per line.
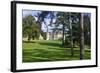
x=71, y=37
x=47, y=32
x=48, y=37
x=63, y=40
x=53, y=35
x=81, y=37
x=71, y=40
x=29, y=38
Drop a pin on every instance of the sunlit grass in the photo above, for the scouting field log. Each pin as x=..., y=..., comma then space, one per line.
x=42, y=50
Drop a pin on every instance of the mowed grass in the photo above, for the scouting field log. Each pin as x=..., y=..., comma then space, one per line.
x=43, y=50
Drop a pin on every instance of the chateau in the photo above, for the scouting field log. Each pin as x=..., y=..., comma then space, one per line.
x=54, y=36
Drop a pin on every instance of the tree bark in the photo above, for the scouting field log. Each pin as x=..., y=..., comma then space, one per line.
x=71, y=37
x=81, y=37
x=29, y=38
x=63, y=41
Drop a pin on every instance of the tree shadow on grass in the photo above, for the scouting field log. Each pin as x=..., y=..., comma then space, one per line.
x=44, y=55
x=52, y=53
x=37, y=55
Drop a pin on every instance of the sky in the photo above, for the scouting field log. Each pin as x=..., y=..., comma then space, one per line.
x=47, y=20
x=34, y=13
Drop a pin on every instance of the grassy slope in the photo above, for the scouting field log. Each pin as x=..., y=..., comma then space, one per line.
x=38, y=51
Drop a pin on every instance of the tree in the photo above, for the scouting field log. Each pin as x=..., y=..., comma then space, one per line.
x=67, y=19
x=78, y=31
x=87, y=30
x=62, y=19
x=41, y=18
x=44, y=35
x=71, y=35
x=81, y=36
x=30, y=28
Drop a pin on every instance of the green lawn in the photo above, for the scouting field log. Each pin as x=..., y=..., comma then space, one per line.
x=42, y=50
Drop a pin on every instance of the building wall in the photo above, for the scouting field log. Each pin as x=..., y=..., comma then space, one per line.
x=54, y=36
